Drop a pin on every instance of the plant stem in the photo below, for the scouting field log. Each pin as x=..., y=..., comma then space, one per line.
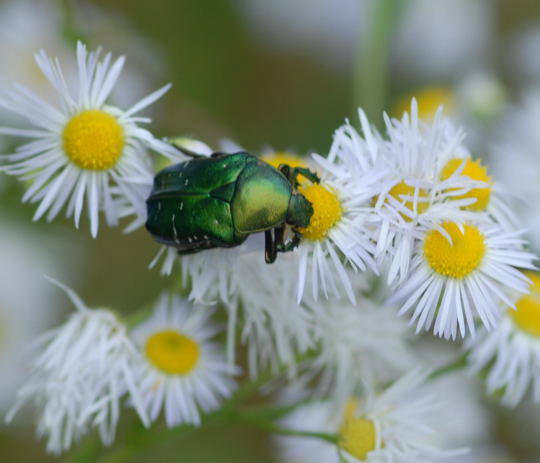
x=371, y=68
x=254, y=420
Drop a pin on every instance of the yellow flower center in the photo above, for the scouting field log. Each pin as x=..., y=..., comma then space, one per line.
x=172, y=352
x=458, y=258
x=404, y=194
x=327, y=211
x=429, y=99
x=281, y=157
x=527, y=315
x=93, y=140
x=475, y=171
x=358, y=435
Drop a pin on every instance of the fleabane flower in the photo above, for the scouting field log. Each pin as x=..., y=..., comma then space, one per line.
x=461, y=272
x=511, y=352
x=397, y=425
x=275, y=329
x=337, y=237
x=356, y=344
x=183, y=371
x=489, y=197
x=515, y=159
x=83, y=150
x=79, y=376
x=412, y=193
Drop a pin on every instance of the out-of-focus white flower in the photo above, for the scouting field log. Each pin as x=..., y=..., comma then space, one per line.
x=275, y=329
x=84, y=150
x=42, y=24
x=398, y=425
x=460, y=272
x=183, y=372
x=436, y=40
x=522, y=57
x=468, y=420
x=514, y=160
x=28, y=303
x=328, y=32
x=79, y=375
x=477, y=97
x=362, y=344
x=511, y=352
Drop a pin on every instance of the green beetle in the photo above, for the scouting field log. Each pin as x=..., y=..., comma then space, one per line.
x=218, y=201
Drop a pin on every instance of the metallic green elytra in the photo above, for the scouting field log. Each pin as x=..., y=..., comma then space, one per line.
x=218, y=201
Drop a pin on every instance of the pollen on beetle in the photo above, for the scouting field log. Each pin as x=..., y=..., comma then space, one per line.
x=527, y=315
x=456, y=259
x=172, y=352
x=93, y=140
x=358, y=435
x=327, y=211
x=475, y=171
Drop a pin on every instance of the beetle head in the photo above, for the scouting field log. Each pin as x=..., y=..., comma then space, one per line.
x=299, y=212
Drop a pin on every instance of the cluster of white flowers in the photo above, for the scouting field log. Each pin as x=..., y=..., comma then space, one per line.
x=405, y=222
x=82, y=371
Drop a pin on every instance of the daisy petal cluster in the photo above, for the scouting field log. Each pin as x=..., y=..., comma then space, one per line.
x=82, y=152
x=79, y=377
x=183, y=371
x=510, y=354
x=363, y=344
x=445, y=236
x=398, y=424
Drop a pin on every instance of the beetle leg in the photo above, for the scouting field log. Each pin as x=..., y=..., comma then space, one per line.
x=304, y=172
x=291, y=245
x=270, y=249
x=285, y=170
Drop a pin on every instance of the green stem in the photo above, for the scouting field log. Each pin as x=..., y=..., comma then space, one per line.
x=371, y=69
x=256, y=421
x=70, y=30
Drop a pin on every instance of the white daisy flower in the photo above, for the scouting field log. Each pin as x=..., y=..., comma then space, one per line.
x=488, y=197
x=363, y=343
x=437, y=40
x=412, y=193
x=515, y=160
x=398, y=425
x=511, y=352
x=460, y=272
x=83, y=150
x=183, y=372
x=42, y=23
x=26, y=257
x=79, y=375
x=275, y=329
x=338, y=235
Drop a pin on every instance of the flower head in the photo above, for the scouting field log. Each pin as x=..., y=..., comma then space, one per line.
x=357, y=344
x=460, y=272
x=511, y=352
x=78, y=378
x=411, y=193
x=338, y=236
x=84, y=150
x=183, y=372
x=396, y=425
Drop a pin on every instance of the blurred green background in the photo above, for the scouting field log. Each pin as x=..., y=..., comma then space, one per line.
x=285, y=81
